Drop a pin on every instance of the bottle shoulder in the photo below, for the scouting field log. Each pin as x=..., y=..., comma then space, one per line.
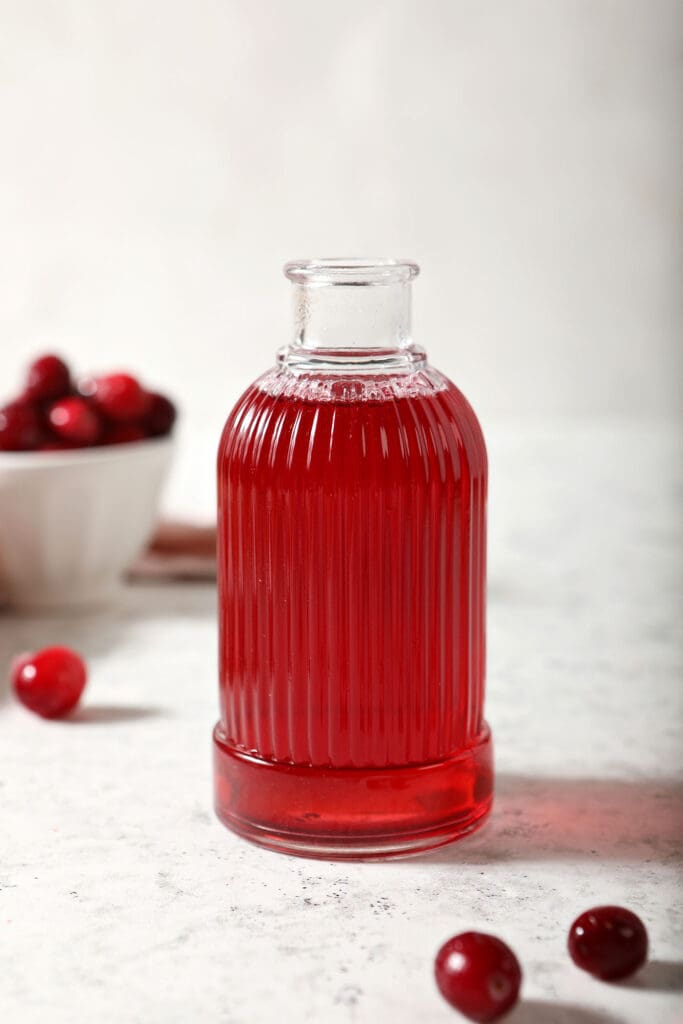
x=410, y=412
x=350, y=387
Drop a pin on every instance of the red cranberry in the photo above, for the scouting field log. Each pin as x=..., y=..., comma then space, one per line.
x=20, y=427
x=56, y=444
x=49, y=682
x=479, y=975
x=124, y=433
x=73, y=419
x=119, y=396
x=17, y=663
x=608, y=942
x=161, y=415
x=48, y=377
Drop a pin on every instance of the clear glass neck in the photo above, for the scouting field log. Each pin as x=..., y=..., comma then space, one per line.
x=351, y=312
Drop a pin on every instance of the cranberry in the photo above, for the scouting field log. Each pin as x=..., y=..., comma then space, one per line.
x=56, y=444
x=73, y=419
x=20, y=427
x=119, y=396
x=479, y=975
x=17, y=664
x=48, y=377
x=608, y=942
x=49, y=682
x=124, y=433
x=161, y=415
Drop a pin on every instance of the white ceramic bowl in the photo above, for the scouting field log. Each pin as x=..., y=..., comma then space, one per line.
x=72, y=522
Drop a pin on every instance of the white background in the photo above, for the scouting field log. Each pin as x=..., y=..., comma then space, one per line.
x=162, y=158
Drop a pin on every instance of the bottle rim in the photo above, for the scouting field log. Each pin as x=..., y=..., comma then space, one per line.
x=350, y=270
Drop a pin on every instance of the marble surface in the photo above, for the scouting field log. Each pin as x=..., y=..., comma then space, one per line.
x=123, y=900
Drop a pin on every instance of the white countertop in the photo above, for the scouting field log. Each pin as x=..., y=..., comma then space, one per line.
x=122, y=899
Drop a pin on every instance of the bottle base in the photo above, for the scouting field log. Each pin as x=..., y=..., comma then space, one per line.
x=353, y=813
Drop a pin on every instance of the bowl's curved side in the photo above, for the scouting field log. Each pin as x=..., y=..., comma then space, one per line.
x=69, y=528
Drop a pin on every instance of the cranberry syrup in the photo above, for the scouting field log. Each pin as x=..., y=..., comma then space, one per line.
x=352, y=633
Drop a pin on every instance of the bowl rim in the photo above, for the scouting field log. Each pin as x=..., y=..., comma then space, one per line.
x=83, y=456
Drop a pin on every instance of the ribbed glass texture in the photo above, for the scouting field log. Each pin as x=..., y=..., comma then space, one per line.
x=352, y=571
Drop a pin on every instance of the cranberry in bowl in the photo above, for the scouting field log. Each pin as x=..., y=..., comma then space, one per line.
x=79, y=487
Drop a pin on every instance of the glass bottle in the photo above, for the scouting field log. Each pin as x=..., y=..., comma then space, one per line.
x=352, y=559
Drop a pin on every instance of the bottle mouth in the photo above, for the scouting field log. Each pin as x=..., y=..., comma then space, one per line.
x=350, y=271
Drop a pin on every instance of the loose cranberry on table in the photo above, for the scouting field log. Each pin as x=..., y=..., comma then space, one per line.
x=20, y=427
x=479, y=975
x=119, y=396
x=48, y=377
x=608, y=942
x=50, y=681
x=73, y=419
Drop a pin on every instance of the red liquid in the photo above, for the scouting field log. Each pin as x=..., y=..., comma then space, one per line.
x=352, y=643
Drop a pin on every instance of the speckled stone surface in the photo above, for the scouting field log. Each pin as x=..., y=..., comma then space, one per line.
x=123, y=900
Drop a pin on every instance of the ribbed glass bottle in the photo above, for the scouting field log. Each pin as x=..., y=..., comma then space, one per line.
x=352, y=560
